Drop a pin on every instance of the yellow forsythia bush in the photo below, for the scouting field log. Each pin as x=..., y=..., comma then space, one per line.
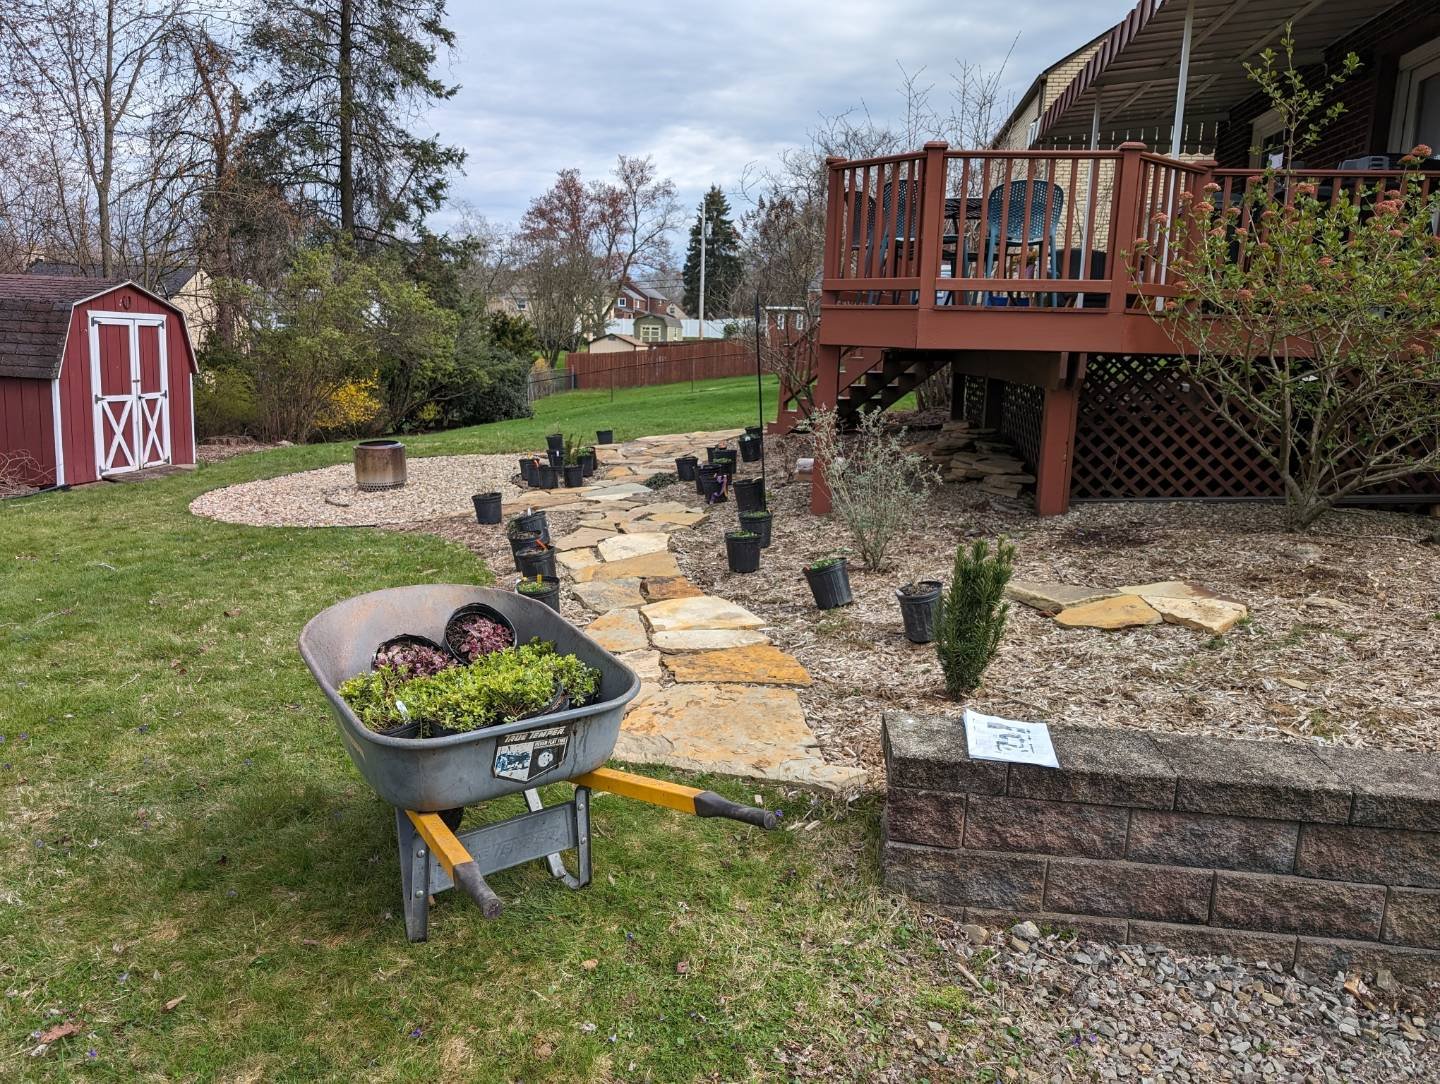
x=352, y=405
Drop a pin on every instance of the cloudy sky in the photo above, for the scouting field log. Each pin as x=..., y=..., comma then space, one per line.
x=707, y=89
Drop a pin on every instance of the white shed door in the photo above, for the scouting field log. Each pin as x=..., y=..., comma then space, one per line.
x=129, y=376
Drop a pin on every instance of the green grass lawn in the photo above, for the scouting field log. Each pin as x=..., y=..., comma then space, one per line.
x=181, y=823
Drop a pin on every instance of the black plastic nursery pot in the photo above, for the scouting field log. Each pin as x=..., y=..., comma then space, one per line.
x=711, y=454
x=749, y=494
x=487, y=507
x=919, y=607
x=760, y=522
x=574, y=475
x=555, y=442
x=712, y=483
x=549, y=476
x=521, y=540
x=535, y=561
x=726, y=463
x=685, y=467
x=549, y=594
x=478, y=609
x=587, y=464
x=532, y=521
x=555, y=457
x=527, y=470
x=742, y=550
x=604, y=436
x=750, y=447
x=830, y=585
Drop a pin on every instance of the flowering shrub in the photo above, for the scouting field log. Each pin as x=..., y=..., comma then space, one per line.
x=352, y=406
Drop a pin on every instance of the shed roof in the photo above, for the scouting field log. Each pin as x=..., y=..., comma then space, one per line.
x=34, y=317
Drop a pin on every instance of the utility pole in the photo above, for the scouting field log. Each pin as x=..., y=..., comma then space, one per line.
x=704, y=233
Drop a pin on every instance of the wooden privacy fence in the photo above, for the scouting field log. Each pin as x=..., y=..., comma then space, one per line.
x=666, y=363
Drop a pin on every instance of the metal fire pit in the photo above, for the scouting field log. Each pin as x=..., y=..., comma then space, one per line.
x=379, y=464
x=425, y=778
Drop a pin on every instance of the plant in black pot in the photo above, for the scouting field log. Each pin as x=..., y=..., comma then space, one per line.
x=726, y=463
x=411, y=656
x=555, y=442
x=749, y=494
x=536, y=560
x=487, y=507
x=574, y=470
x=521, y=540
x=742, y=550
x=587, y=461
x=715, y=451
x=712, y=482
x=549, y=476
x=372, y=697
x=532, y=521
x=476, y=629
x=604, y=436
x=760, y=521
x=685, y=468
x=544, y=589
x=829, y=581
x=919, y=604
x=751, y=445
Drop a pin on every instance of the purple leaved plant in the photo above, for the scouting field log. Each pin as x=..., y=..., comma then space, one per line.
x=476, y=635
x=412, y=659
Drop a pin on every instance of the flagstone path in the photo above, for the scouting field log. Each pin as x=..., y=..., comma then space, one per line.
x=716, y=695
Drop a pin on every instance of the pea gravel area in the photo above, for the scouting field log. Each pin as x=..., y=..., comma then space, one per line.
x=435, y=486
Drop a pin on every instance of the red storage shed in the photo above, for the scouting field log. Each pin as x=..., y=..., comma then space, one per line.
x=95, y=379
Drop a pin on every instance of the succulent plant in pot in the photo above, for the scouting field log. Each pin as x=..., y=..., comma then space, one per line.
x=829, y=580
x=742, y=550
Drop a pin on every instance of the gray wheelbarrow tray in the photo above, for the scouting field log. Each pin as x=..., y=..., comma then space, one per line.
x=435, y=774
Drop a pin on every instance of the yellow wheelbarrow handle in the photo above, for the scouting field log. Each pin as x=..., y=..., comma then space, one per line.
x=700, y=803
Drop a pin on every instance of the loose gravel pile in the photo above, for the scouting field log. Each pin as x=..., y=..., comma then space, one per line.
x=436, y=486
x=1128, y=1012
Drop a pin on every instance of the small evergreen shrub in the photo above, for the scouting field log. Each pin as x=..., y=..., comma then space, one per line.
x=972, y=615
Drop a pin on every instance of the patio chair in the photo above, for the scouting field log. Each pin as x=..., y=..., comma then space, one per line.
x=1044, y=196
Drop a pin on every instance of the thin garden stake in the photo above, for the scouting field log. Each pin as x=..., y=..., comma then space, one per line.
x=759, y=392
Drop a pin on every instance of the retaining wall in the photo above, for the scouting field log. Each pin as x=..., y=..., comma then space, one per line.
x=1297, y=854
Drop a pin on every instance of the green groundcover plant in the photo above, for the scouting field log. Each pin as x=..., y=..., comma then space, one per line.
x=495, y=689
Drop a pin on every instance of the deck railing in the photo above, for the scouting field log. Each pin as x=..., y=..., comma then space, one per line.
x=1044, y=230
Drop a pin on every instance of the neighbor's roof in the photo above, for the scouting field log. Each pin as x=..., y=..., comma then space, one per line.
x=670, y=321
x=34, y=317
x=631, y=339
x=168, y=284
x=1136, y=68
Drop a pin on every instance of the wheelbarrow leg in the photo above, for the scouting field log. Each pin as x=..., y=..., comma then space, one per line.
x=414, y=877
x=582, y=839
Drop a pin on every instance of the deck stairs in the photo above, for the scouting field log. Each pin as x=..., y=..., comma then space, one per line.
x=869, y=380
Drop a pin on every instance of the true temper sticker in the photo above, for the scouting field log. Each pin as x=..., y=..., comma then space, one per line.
x=529, y=754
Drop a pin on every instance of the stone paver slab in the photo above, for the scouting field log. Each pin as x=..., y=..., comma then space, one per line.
x=659, y=588
x=1213, y=615
x=703, y=612
x=1167, y=589
x=677, y=519
x=605, y=595
x=1120, y=612
x=1054, y=597
x=759, y=664
x=733, y=729
x=619, y=631
x=706, y=639
x=575, y=560
x=619, y=547
x=649, y=564
x=644, y=662
x=618, y=492
x=582, y=538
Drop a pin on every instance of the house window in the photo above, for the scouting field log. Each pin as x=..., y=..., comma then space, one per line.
x=1267, y=141
x=621, y=302
x=1416, y=117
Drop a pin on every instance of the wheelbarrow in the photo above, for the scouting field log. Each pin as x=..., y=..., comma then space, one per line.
x=429, y=781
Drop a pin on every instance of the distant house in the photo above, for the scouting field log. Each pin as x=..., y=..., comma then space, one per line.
x=638, y=300
x=658, y=328
x=616, y=344
x=1019, y=129
x=188, y=288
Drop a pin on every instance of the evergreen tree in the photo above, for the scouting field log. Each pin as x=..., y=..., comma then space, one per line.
x=339, y=79
x=722, y=259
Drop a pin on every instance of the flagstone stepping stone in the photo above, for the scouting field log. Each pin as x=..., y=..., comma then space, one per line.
x=706, y=639
x=618, y=492
x=677, y=519
x=702, y=612
x=619, y=631
x=763, y=735
x=605, y=595
x=1054, y=597
x=659, y=588
x=1120, y=612
x=644, y=662
x=575, y=560
x=648, y=564
x=1167, y=589
x=620, y=546
x=1213, y=615
x=759, y=664
x=582, y=538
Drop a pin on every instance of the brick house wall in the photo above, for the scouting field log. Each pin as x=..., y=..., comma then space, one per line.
x=1369, y=96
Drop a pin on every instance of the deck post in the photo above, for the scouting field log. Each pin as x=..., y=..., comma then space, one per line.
x=932, y=221
x=1057, y=447
x=827, y=395
x=1125, y=222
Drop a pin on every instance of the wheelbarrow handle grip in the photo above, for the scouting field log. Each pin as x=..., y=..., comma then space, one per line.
x=710, y=804
x=467, y=876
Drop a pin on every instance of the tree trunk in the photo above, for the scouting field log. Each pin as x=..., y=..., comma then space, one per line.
x=347, y=118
